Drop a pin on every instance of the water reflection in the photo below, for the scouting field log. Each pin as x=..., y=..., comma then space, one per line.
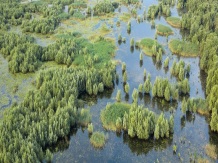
x=143, y=147
x=120, y=147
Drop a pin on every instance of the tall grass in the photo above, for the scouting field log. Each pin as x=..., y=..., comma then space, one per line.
x=164, y=30
x=184, y=48
x=111, y=113
x=98, y=139
x=146, y=45
x=174, y=21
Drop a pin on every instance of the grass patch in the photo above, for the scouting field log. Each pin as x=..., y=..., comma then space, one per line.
x=174, y=21
x=110, y=114
x=186, y=49
x=164, y=30
x=98, y=139
x=147, y=44
x=100, y=52
x=125, y=17
x=211, y=151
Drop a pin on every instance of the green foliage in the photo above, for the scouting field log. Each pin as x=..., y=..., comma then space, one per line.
x=164, y=30
x=90, y=128
x=178, y=69
x=166, y=62
x=126, y=88
x=123, y=66
x=46, y=114
x=184, y=106
x=141, y=56
x=147, y=86
x=184, y=48
x=147, y=45
x=167, y=93
x=140, y=88
x=103, y=7
x=174, y=21
x=23, y=55
x=160, y=9
x=132, y=42
x=174, y=148
x=98, y=139
x=135, y=94
x=118, y=97
x=119, y=124
x=138, y=121
x=125, y=77
x=184, y=86
x=111, y=113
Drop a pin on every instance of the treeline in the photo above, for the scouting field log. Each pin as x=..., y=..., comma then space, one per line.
x=15, y=13
x=161, y=88
x=158, y=10
x=103, y=7
x=143, y=123
x=137, y=121
x=201, y=21
x=25, y=56
x=43, y=26
x=12, y=13
x=48, y=113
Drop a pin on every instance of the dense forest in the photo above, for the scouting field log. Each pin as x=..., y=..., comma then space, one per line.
x=53, y=108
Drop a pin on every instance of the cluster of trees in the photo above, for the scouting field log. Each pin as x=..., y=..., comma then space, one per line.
x=157, y=51
x=142, y=123
x=201, y=22
x=63, y=51
x=12, y=13
x=192, y=104
x=178, y=69
x=43, y=26
x=23, y=55
x=158, y=10
x=103, y=7
x=162, y=88
x=47, y=113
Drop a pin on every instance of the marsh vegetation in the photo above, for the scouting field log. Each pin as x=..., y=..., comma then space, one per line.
x=73, y=70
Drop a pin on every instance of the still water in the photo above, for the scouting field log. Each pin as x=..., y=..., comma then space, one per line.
x=191, y=133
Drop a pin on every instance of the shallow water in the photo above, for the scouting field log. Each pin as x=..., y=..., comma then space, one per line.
x=191, y=132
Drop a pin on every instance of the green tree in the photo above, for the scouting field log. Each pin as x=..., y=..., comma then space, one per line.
x=184, y=106
x=167, y=93
x=126, y=88
x=157, y=132
x=118, y=97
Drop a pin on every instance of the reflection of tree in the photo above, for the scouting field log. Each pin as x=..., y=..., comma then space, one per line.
x=94, y=99
x=162, y=104
x=213, y=139
x=141, y=147
x=203, y=77
x=63, y=143
x=140, y=63
x=189, y=117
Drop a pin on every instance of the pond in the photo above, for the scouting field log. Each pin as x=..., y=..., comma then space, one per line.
x=191, y=132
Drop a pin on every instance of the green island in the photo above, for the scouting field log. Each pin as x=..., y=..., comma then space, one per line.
x=164, y=30
x=95, y=81
x=184, y=48
x=98, y=139
x=174, y=21
x=150, y=46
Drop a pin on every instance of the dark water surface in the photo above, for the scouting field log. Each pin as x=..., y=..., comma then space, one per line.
x=191, y=133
